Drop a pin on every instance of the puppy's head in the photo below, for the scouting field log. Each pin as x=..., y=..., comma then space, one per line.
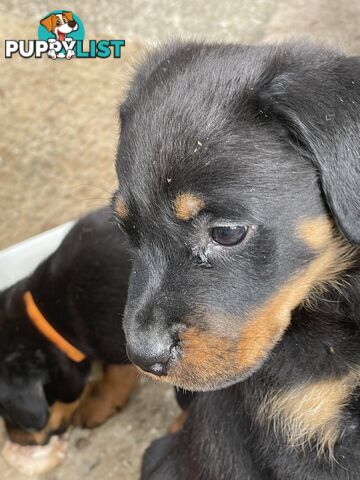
x=60, y=23
x=23, y=402
x=239, y=190
x=23, y=368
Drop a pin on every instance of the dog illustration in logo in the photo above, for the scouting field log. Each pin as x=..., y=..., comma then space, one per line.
x=60, y=24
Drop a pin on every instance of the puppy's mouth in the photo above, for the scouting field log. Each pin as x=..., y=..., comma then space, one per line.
x=61, y=36
x=206, y=361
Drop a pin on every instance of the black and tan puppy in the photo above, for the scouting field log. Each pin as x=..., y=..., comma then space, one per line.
x=240, y=192
x=58, y=320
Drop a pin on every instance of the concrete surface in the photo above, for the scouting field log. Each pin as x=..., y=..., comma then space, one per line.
x=58, y=134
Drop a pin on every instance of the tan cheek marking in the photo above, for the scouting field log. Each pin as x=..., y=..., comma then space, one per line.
x=206, y=351
x=321, y=235
x=315, y=232
x=187, y=206
x=205, y=358
x=265, y=327
x=269, y=323
x=120, y=207
x=310, y=412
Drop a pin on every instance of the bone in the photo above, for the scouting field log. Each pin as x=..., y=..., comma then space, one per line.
x=35, y=460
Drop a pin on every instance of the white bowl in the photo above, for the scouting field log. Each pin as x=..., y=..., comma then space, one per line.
x=21, y=259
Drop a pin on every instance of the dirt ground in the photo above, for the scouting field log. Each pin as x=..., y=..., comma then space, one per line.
x=58, y=134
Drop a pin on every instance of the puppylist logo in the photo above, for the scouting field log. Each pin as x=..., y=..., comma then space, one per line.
x=61, y=35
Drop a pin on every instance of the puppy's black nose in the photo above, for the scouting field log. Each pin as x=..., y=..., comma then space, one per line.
x=154, y=360
x=72, y=23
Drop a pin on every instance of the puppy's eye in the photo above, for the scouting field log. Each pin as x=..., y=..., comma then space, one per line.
x=228, y=236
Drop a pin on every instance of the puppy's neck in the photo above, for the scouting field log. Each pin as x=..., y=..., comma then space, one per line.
x=52, y=304
x=17, y=330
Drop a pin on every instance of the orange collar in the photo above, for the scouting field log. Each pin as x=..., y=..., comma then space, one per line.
x=49, y=331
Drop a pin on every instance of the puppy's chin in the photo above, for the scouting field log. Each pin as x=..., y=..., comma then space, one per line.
x=192, y=381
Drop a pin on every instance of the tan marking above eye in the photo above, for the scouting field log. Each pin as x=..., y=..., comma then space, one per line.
x=322, y=236
x=120, y=207
x=187, y=206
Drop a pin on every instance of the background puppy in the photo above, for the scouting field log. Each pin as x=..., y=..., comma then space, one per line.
x=239, y=190
x=79, y=292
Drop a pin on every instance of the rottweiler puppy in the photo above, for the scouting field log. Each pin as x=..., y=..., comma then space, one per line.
x=55, y=323
x=240, y=193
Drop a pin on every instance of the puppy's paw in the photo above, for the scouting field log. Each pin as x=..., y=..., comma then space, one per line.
x=106, y=397
x=93, y=411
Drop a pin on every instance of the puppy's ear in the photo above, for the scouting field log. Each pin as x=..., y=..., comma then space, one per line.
x=49, y=22
x=319, y=104
x=25, y=406
x=68, y=16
